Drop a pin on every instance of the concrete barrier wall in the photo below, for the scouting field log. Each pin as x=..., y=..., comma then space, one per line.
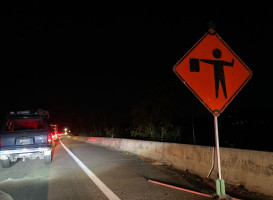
x=253, y=169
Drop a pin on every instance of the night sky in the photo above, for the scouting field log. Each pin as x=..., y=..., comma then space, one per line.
x=74, y=58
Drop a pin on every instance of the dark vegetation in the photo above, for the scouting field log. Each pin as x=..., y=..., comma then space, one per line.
x=170, y=113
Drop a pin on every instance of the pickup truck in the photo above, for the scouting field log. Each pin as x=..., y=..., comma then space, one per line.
x=25, y=134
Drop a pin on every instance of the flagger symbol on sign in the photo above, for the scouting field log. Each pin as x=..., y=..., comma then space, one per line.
x=219, y=75
x=209, y=64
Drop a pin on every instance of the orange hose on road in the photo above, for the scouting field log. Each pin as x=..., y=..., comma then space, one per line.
x=182, y=189
x=185, y=190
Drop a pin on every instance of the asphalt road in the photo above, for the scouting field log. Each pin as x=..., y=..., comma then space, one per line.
x=107, y=171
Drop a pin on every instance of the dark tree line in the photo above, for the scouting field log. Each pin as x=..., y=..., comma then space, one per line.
x=163, y=114
x=170, y=113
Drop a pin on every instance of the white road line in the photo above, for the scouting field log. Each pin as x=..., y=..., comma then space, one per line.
x=109, y=193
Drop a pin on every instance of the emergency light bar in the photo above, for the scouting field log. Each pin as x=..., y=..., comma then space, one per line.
x=30, y=112
x=22, y=112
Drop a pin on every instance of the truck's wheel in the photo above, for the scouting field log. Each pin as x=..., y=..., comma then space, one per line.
x=6, y=163
x=48, y=159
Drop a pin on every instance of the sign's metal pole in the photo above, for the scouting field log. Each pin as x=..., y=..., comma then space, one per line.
x=217, y=146
x=220, y=183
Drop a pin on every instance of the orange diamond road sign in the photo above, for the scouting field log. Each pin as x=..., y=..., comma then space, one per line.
x=213, y=72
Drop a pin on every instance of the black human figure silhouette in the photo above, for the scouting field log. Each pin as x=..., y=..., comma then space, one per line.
x=219, y=75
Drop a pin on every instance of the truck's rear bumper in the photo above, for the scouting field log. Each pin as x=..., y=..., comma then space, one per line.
x=5, y=154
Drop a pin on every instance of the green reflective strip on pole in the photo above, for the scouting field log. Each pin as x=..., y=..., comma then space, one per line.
x=222, y=186
x=218, y=190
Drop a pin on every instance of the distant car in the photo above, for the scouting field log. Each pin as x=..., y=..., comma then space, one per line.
x=54, y=131
x=25, y=134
